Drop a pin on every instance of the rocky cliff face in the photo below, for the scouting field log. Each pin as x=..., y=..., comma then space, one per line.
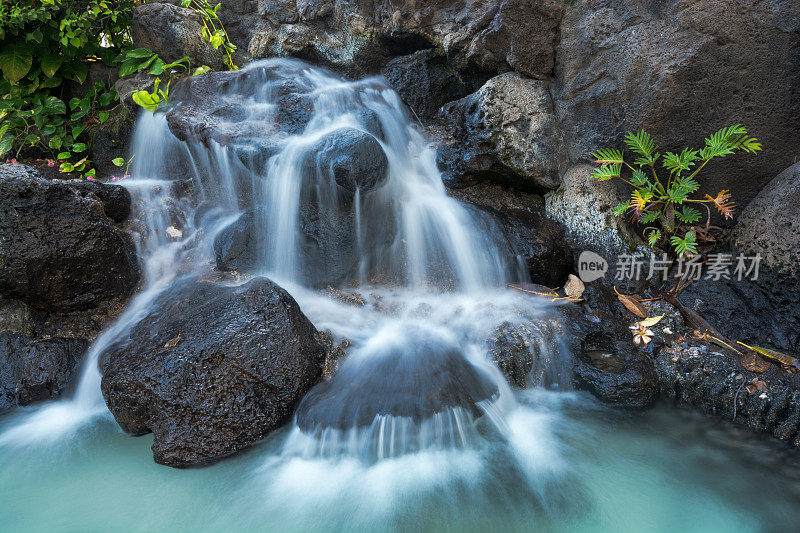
x=677, y=68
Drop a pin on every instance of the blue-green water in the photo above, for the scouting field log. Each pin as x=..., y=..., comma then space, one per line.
x=570, y=465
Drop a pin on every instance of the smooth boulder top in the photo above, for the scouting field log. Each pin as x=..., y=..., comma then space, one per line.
x=413, y=375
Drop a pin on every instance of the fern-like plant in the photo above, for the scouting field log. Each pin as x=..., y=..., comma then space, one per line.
x=666, y=200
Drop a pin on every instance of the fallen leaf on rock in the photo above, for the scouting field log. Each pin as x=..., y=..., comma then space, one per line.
x=651, y=321
x=755, y=385
x=632, y=303
x=775, y=356
x=752, y=362
x=172, y=342
x=533, y=288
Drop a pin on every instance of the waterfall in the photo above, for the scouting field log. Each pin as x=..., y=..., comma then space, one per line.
x=350, y=196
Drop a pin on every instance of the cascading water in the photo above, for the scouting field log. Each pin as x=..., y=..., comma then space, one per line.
x=329, y=184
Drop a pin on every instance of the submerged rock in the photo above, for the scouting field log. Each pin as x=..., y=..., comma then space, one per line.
x=506, y=132
x=411, y=375
x=33, y=370
x=211, y=369
x=58, y=248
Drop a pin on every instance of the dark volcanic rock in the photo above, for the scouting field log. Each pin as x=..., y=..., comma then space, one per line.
x=717, y=384
x=173, y=32
x=682, y=70
x=362, y=35
x=505, y=132
x=412, y=375
x=770, y=226
x=425, y=81
x=211, y=369
x=33, y=370
x=352, y=158
x=58, y=250
x=236, y=246
x=614, y=378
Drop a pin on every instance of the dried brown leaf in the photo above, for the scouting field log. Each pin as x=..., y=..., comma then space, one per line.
x=632, y=303
x=533, y=288
x=752, y=362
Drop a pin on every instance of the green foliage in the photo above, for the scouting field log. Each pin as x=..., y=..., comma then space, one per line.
x=686, y=244
x=44, y=44
x=662, y=199
x=213, y=31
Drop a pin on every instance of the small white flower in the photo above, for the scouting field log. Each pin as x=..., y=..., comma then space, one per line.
x=641, y=334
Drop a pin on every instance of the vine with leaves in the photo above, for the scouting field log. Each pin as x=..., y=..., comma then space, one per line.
x=667, y=200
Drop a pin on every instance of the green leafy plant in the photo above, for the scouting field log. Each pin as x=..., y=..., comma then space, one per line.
x=213, y=30
x=667, y=200
x=44, y=46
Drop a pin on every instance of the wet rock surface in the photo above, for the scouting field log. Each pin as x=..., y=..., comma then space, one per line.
x=211, y=369
x=59, y=249
x=352, y=158
x=361, y=36
x=425, y=81
x=32, y=370
x=712, y=380
x=398, y=380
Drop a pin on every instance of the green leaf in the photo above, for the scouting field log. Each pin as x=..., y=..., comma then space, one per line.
x=55, y=143
x=606, y=172
x=639, y=179
x=50, y=64
x=55, y=106
x=157, y=68
x=79, y=147
x=641, y=143
x=139, y=53
x=682, y=161
x=118, y=161
x=66, y=167
x=688, y=215
x=608, y=156
x=186, y=3
x=128, y=67
x=15, y=62
x=32, y=139
x=685, y=245
x=620, y=209
x=649, y=217
x=653, y=237
x=77, y=130
x=6, y=144
x=102, y=116
x=64, y=155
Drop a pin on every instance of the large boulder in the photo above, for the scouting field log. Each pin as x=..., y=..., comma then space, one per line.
x=770, y=225
x=412, y=374
x=681, y=70
x=33, y=370
x=506, y=132
x=361, y=35
x=58, y=247
x=211, y=369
